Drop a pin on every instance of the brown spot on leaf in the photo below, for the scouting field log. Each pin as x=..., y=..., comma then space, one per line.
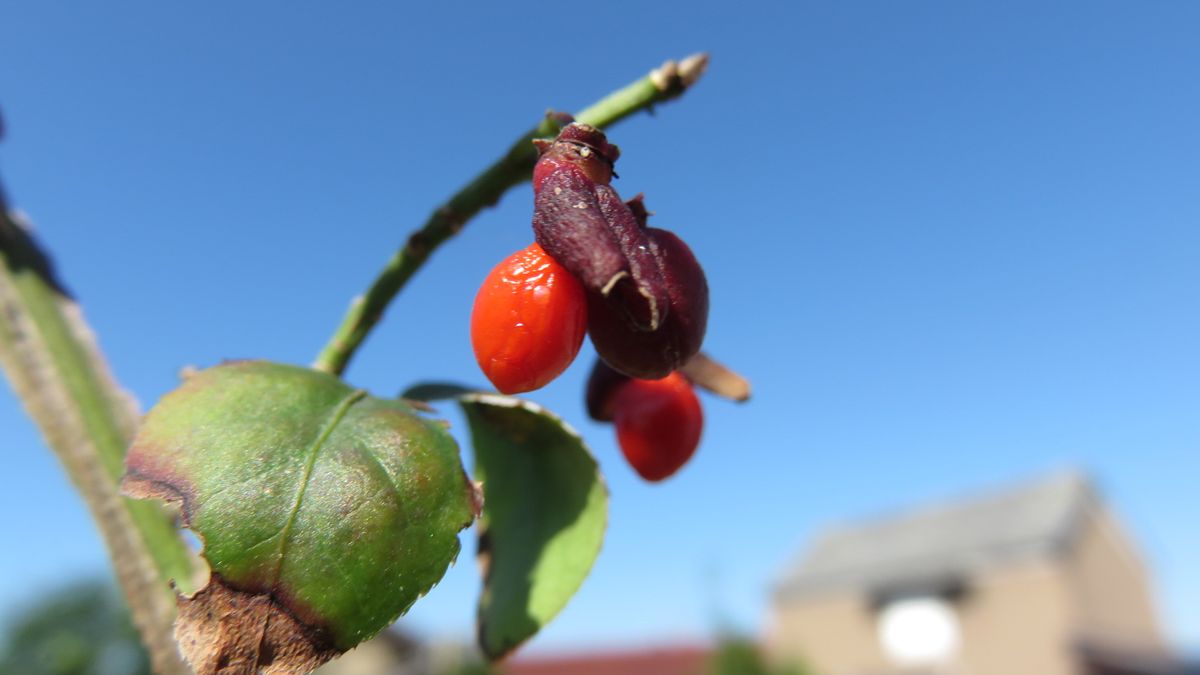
x=225, y=631
x=148, y=483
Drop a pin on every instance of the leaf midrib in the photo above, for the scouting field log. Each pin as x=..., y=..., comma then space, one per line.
x=335, y=418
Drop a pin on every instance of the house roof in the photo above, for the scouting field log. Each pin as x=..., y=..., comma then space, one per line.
x=936, y=548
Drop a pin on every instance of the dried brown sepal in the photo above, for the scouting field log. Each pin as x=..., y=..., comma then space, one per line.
x=224, y=631
x=712, y=375
x=637, y=206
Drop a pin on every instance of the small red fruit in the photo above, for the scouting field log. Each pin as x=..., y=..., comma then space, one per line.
x=528, y=322
x=658, y=424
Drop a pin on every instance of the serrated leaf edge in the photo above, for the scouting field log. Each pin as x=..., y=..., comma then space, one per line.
x=484, y=555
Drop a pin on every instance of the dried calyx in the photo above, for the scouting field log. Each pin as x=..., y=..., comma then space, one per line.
x=648, y=298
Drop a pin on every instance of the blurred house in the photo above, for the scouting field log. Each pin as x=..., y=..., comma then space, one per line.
x=1035, y=580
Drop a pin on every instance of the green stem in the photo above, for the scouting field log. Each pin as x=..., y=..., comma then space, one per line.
x=50, y=356
x=515, y=167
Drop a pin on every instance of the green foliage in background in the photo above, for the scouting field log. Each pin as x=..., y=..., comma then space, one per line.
x=82, y=629
x=739, y=655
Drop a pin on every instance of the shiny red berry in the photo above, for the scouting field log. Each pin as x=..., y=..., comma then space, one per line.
x=658, y=424
x=528, y=322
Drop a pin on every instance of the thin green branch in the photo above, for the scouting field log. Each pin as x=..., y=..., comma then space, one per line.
x=51, y=358
x=515, y=167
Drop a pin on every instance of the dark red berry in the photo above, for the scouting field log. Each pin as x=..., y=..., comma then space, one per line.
x=602, y=383
x=528, y=322
x=658, y=424
x=653, y=354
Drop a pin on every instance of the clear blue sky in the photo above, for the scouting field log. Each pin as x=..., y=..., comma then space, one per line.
x=953, y=245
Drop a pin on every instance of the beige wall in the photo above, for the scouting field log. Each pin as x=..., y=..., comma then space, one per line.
x=1113, y=601
x=1017, y=620
x=1018, y=617
x=1013, y=620
x=833, y=634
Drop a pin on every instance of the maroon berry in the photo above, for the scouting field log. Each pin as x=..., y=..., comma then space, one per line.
x=654, y=354
x=601, y=384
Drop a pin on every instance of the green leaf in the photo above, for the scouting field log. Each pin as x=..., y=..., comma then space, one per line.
x=543, y=519
x=433, y=391
x=325, y=513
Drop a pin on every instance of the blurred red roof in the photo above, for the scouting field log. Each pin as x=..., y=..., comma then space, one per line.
x=657, y=661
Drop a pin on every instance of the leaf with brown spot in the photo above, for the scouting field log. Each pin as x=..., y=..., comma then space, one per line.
x=325, y=513
x=230, y=632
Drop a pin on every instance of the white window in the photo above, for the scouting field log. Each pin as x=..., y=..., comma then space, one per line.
x=919, y=631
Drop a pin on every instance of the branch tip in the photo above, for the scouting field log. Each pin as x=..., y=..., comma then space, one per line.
x=692, y=68
x=674, y=78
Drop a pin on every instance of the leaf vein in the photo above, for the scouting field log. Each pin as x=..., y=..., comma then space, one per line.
x=370, y=454
x=237, y=483
x=334, y=418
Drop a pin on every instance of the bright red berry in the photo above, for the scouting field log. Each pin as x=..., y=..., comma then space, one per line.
x=658, y=424
x=528, y=322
